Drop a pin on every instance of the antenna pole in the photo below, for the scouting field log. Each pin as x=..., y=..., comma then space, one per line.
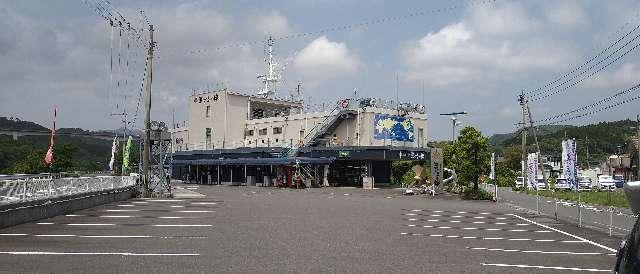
x=147, y=118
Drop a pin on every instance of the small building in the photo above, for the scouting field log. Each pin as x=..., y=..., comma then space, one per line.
x=230, y=134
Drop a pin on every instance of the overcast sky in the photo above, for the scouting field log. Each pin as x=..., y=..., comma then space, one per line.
x=474, y=58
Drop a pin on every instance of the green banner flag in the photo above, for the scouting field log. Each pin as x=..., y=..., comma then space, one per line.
x=125, y=156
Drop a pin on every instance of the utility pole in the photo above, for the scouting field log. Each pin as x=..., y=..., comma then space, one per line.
x=147, y=118
x=586, y=141
x=522, y=101
x=638, y=145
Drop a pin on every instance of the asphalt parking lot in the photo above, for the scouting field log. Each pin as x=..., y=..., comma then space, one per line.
x=252, y=229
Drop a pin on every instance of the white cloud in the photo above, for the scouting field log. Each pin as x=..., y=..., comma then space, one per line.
x=487, y=45
x=323, y=59
x=567, y=14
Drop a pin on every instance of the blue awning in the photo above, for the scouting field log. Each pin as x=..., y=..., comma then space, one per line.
x=256, y=161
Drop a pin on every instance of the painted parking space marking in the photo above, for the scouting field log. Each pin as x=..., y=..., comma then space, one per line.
x=105, y=236
x=467, y=222
x=179, y=225
x=137, y=216
x=540, y=251
x=95, y=253
x=494, y=238
x=126, y=224
x=566, y=233
x=91, y=224
x=547, y=267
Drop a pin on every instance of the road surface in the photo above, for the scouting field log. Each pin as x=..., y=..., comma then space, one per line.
x=267, y=230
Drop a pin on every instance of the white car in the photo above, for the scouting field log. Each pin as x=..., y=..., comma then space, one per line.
x=520, y=182
x=606, y=182
x=584, y=182
x=562, y=184
x=541, y=183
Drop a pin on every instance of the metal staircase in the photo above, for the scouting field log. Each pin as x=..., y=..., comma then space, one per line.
x=321, y=132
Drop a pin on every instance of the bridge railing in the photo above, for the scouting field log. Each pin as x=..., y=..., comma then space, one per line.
x=31, y=189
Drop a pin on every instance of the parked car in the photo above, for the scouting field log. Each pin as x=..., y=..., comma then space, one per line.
x=618, y=180
x=562, y=184
x=606, y=182
x=541, y=183
x=585, y=182
x=628, y=255
x=519, y=183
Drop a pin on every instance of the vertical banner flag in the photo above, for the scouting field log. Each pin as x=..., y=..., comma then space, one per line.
x=436, y=166
x=48, y=158
x=492, y=175
x=125, y=156
x=569, y=161
x=532, y=169
x=114, y=146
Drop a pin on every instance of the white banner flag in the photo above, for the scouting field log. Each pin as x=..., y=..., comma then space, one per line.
x=532, y=169
x=114, y=147
x=569, y=161
x=492, y=175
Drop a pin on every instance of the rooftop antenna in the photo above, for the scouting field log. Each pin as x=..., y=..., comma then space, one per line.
x=273, y=76
x=454, y=122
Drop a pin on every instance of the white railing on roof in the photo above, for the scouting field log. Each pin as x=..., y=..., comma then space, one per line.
x=31, y=189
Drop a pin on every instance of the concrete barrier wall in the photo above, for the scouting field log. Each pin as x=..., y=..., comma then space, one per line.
x=14, y=214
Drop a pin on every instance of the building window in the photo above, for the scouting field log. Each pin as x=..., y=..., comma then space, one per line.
x=277, y=130
x=263, y=131
x=208, y=112
x=249, y=132
x=207, y=137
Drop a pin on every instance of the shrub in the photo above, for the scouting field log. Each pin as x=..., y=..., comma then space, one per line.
x=480, y=194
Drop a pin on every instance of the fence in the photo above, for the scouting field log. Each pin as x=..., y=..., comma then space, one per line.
x=613, y=220
x=31, y=189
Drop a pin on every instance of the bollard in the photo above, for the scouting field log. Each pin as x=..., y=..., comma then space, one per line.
x=610, y=221
x=556, y=212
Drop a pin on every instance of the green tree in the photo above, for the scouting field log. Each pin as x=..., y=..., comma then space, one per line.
x=513, y=158
x=469, y=156
x=34, y=161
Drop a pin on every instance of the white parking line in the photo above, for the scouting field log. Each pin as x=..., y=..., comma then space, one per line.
x=490, y=238
x=122, y=210
x=183, y=225
x=116, y=216
x=548, y=267
x=13, y=234
x=126, y=205
x=44, y=223
x=165, y=200
x=540, y=251
x=95, y=253
x=565, y=233
x=177, y=206
x=94, y=224
x=74, y=215
x=139, y=202
x=54, y=235
x=194, y=211
x=204, y=203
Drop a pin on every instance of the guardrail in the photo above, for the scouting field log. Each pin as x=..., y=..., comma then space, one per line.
x=31, y=189
x=613, y=220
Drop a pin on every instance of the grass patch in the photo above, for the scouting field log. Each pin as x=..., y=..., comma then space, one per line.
x=613, y=198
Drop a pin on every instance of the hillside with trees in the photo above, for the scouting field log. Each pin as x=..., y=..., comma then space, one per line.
x=604, y=139
x=72, y=153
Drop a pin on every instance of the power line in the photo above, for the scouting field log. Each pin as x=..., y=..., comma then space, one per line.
x=591, y=74
x=606, y=99
x=376, y=21
x=629, y=100
x=543, y=88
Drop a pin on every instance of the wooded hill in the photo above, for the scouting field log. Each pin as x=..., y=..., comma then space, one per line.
x=78, y=153
x=604, y=139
